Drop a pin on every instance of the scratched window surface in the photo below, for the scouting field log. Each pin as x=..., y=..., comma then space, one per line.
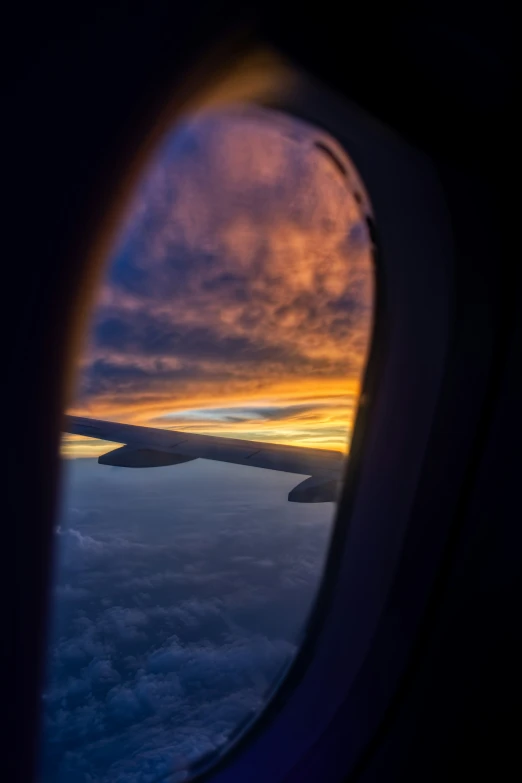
x=236, y=302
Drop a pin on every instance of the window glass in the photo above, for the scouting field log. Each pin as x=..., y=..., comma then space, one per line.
x=237, y=303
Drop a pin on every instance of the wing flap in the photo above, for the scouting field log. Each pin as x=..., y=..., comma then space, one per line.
x=131, y=457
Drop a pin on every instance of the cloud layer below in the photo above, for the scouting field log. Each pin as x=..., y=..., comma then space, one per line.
x=180, y=599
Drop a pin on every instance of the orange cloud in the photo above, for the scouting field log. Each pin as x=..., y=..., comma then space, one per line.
x=241, y=286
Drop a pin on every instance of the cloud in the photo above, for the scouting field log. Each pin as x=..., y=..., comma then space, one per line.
x=63, y=592
x=178, y=612
x=183, y=701
x=238, y=413
x=242, y=270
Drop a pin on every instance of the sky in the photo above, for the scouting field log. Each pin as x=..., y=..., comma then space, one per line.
x=236, y=301
x=237, y=298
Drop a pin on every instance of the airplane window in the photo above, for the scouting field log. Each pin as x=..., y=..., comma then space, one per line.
x=218, y=387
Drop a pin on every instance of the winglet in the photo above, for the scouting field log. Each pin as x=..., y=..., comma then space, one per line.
x=316, y=489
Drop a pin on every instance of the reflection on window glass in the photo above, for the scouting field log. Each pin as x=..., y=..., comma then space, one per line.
x=236, y=303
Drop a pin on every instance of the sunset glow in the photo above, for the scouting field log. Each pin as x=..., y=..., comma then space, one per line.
x=238, y=297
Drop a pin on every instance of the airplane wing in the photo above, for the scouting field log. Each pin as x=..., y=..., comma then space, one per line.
x=146, y=447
